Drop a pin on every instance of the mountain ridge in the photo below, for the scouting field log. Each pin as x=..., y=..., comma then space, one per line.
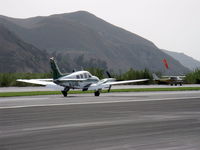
x=184, y=59
x=81, y=33
x=18, y=56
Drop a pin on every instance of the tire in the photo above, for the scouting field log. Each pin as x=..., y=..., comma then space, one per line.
x=64, y=93
x=97, y=93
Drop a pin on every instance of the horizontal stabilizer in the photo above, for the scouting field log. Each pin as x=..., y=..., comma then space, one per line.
x=155, y=77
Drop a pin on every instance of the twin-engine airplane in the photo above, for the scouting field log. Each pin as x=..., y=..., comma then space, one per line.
x=77, y=80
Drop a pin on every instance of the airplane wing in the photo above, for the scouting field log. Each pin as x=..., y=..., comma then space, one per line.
x=46, y=81
x=107, y=84
x=42, y=82
x=71, y=79
x=41, y=79
x=125, y=82
x=35, y=81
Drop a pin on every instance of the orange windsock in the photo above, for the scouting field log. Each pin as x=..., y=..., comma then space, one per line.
x=165, y=63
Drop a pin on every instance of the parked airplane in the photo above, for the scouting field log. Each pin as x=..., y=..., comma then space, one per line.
x=172, y=80
x=77, y=80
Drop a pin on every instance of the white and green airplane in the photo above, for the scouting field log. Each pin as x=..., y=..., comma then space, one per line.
x=77, y=80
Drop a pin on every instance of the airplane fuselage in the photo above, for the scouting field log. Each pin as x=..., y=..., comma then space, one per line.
x=77, y=80
x=170, y=80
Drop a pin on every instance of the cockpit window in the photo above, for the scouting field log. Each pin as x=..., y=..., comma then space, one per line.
x=81, y=76
x=89, y=75
x=78, y=77
x=173, y=78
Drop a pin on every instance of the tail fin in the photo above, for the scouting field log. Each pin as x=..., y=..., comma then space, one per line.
x=56, y=71
x=155, y=77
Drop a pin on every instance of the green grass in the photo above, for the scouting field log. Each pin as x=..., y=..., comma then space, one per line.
x=33, y=93
x=157, y=89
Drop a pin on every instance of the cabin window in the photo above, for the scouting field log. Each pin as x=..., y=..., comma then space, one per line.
x=81, y=76
x=78, y=77
x=85, y=75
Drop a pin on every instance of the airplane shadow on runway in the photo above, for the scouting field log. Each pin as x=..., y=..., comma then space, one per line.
x=90, y=96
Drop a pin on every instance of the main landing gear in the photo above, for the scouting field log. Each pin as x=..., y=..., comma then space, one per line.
x=97, y=93
x=64, y=92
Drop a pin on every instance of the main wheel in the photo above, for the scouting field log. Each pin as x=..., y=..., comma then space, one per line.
x=97, y=93
x=64, y=93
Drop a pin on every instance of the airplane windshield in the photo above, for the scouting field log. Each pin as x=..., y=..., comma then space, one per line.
x=173, y=78
x=89, y=75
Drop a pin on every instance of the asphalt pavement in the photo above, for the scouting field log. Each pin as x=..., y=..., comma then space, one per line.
x=113, y=121
x=42, y=88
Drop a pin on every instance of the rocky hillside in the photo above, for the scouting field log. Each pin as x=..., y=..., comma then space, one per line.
x=18, y=56
x=185, y=60
x=72, y=36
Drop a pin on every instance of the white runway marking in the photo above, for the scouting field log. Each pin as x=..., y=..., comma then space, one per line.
x=23, y=99
x=100, y=102
x=96, y=123
x=85, y=124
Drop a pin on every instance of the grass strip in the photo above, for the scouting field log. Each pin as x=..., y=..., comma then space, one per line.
x=157, y=89
x=33, y=93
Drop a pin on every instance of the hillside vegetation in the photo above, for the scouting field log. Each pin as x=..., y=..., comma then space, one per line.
x=193, y=77
x=9, y=79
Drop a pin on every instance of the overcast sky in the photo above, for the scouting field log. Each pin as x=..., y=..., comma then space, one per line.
x=171, y=24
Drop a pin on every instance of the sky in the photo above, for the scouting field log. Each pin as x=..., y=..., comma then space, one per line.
x=170, y=24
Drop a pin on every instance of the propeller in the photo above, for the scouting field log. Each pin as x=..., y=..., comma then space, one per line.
x=108, y=74
x=109, y=88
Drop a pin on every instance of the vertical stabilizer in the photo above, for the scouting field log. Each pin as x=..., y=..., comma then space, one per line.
x=155, y=77
x=55, y=70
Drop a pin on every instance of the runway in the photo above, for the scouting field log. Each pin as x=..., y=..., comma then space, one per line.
x=42, y=88
x=113, y=121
